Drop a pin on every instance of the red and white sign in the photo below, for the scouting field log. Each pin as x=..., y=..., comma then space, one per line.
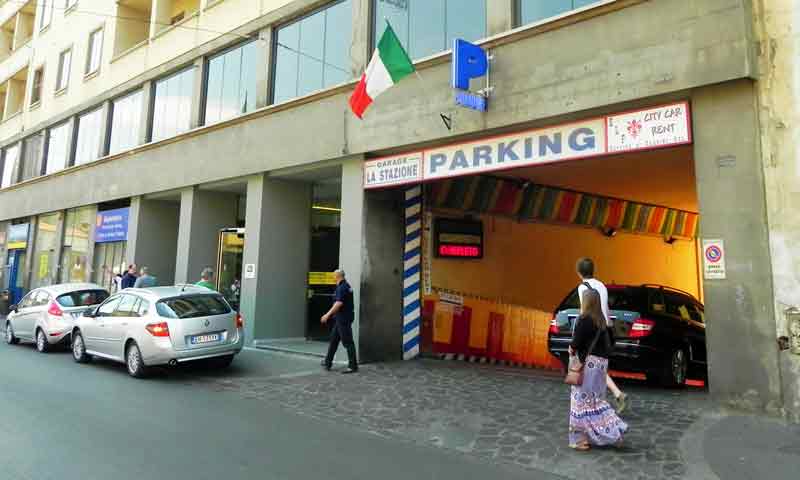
x=714, y=259
x=652, y=128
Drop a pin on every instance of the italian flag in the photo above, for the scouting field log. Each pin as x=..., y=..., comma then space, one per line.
x=389, y=64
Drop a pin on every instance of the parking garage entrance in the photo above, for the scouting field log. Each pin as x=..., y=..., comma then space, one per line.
x=494, y=230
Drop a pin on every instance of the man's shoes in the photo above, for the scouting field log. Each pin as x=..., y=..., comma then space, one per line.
x=326, y=366
x=350, y=370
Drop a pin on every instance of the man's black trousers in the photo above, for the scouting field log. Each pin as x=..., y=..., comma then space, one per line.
x=342, y=331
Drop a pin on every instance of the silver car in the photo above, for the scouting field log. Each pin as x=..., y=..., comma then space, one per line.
x=47, y=315
x=146, y=327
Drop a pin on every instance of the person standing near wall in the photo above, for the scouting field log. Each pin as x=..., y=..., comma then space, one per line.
x=343, y=313
x=145, y=280
x=207, y=279
x=129, y=279
x=585, y=267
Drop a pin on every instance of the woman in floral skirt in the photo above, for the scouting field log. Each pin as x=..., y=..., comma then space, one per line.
x=592, y=421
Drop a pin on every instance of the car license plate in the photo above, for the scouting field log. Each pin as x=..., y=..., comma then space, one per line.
x=211, y=338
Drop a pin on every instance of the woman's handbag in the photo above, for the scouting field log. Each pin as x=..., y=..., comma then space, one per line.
x=575, y=369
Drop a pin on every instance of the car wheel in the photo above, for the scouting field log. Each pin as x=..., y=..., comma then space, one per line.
x=42, y=345
x=220, y=362
x=79, y=349
x=133, y=359
x=675, y=368
x=11, y=339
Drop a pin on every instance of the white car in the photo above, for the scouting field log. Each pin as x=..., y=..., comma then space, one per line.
x=46, y=315
x=145, y=327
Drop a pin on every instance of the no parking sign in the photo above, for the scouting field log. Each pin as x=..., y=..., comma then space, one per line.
x=714, y=259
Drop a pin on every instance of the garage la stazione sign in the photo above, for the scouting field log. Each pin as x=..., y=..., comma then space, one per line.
x=657, y=127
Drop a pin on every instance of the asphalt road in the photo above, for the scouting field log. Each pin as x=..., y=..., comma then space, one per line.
x=65, y=421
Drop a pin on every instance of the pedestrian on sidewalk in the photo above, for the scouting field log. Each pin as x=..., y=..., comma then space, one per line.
x=129, y=279
x=206, y=279
x=343, y=313
x=145, y=280
x=592, y=421
x=585, y=267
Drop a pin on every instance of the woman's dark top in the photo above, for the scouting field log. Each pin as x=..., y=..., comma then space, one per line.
x=583, y=336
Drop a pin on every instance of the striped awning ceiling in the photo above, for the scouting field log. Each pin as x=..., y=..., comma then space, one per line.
x=498, y=196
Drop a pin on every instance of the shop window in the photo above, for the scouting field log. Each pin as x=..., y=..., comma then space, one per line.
x=58, y=148
x=532, y=11
x=427, y=27
x=87, y=146
x=231, y=84
x=172, y=108
x=75, y=253
x=132, y=24
x=64, y=67
x=32, y=156
x=45, y=249
x=94, y=54
x=9, y=166
x=314, y=52
x=36, y=88
x=126, y=122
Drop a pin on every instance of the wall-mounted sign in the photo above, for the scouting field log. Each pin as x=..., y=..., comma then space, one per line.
x=395, y=170
x=657, y=127
x=250, y=271
x=457, y=238
x=714, y=259
x=112, y=226
x=17, y=236
x=652, y=128
x=470, y=61
x=321, y=278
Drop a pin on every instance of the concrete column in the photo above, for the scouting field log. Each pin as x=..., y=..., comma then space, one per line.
x=500, y=16
x=740, y=323
x=263, y=67
x=202, y=215
x=148, y=92
x=153, y=237
x=360, y=50
x=198, y=93
x=351, y=245
x=277, y=242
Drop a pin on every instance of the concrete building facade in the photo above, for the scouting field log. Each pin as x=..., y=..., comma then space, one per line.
x=184, y=118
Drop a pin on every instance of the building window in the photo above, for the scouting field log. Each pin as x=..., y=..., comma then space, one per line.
x=95, y=53
x=13, y=94
x=64, y=66
x=532, y=11
x=75, y=252
x=231, y=85
x=87, y=148
x=36, y=90
x=45, y=253
x=314, y=52
x=9, y=170
x=32, y=156
x=58, y=148
x=47, y=14
x=426, y=27
x=172, y=108
x=126, y=122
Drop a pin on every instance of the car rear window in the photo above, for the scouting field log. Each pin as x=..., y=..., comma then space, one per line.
x=192, y=306
x=82, y=298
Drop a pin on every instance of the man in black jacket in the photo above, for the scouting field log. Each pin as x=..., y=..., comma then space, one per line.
x=343, y=313
x=129, y=279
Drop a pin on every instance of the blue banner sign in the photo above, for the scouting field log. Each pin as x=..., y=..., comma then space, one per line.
x=112, y=226
x=470, y=100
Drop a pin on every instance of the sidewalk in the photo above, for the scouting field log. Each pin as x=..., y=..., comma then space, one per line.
x=519, y=417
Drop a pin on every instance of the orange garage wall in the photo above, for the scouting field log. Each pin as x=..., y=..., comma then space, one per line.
x=533, y=265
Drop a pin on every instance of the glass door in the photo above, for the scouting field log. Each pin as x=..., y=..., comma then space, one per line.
x=229, y=264
x=16, y=275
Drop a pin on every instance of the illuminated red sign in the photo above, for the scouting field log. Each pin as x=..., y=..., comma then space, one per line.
x=462, y=251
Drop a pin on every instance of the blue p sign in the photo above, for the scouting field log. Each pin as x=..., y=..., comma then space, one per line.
x=469, y=61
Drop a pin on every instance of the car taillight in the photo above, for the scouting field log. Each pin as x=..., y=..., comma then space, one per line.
x=553, y=326
x=158, y=329
x=642, y=328
x=239, y=321
x=55, y=310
